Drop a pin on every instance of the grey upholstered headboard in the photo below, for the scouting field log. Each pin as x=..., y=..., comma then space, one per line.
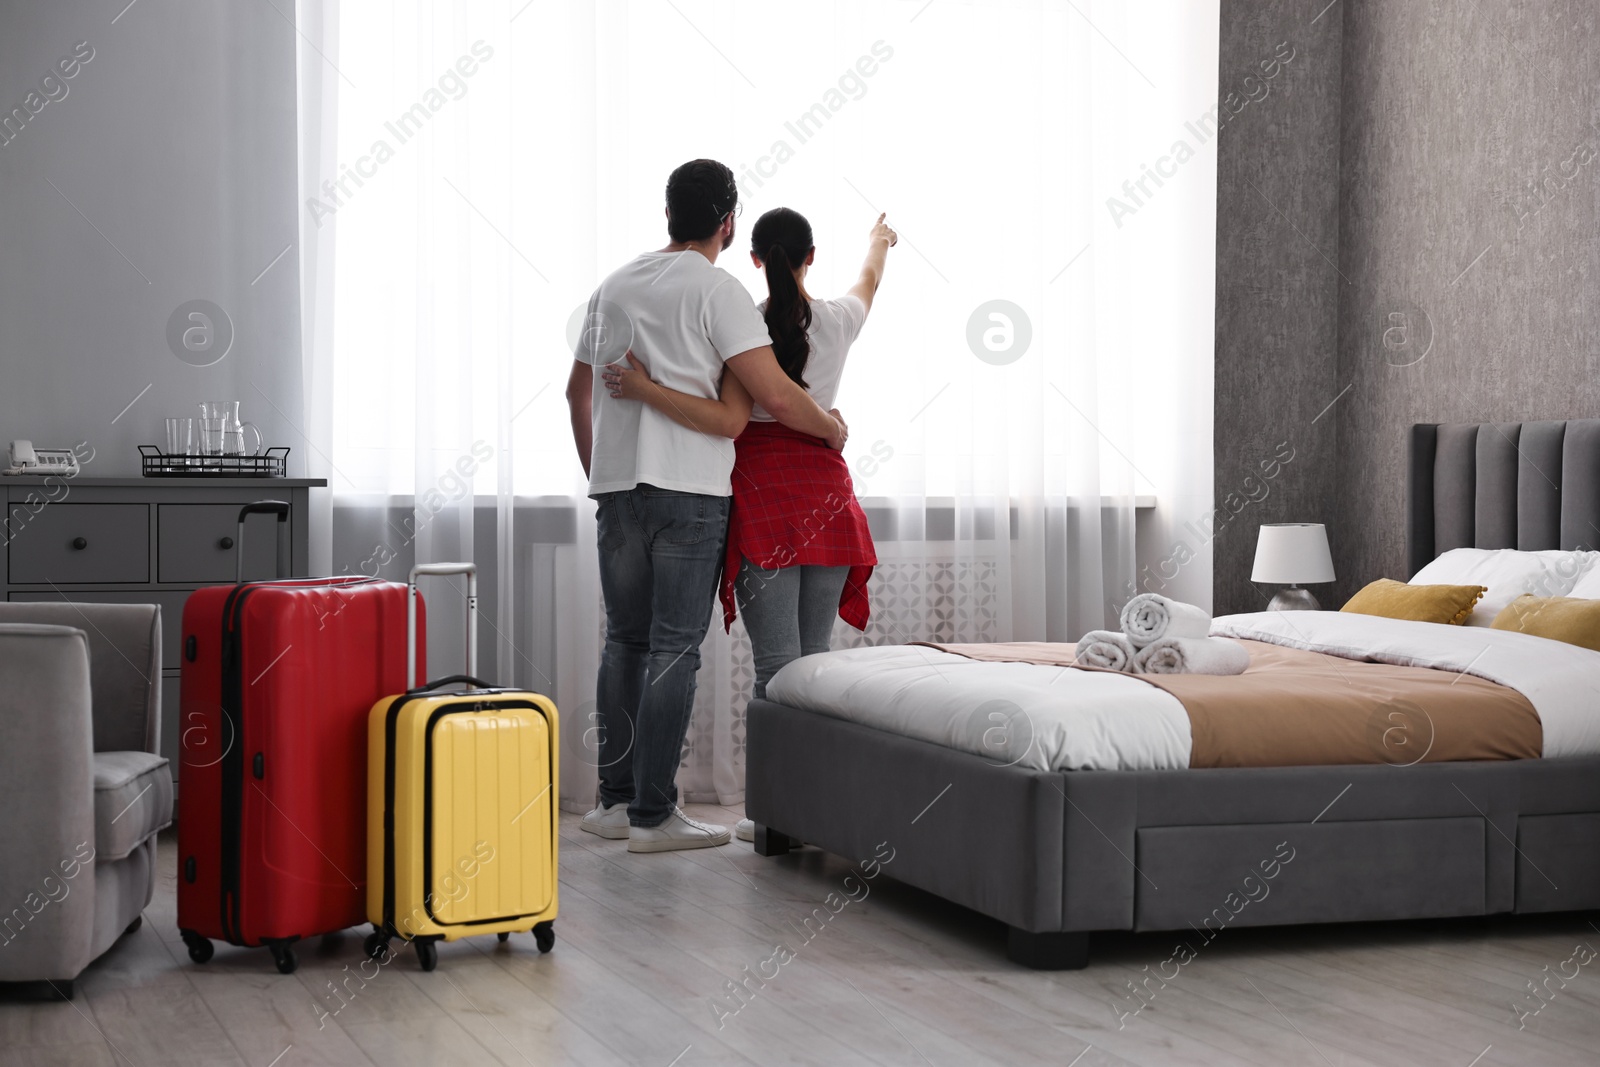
x=1524, y=485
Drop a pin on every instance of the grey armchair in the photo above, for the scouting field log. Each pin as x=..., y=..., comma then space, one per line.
x=82, y=783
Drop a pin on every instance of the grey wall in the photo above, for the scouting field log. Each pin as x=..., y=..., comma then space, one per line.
x=1459, y=120
x=172, y=157
x=1411, y=139
x=1278, y=288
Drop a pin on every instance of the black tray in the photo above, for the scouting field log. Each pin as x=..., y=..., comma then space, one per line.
x=273, y=463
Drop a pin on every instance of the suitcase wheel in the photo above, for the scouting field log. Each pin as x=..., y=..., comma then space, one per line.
x=427, y=955
x=544, y=935
x=376, y=945
x=283, y=956
x=200, y=949
x=504, y=936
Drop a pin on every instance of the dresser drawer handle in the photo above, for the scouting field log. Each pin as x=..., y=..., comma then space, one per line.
x=225, y=544
x=80, y=543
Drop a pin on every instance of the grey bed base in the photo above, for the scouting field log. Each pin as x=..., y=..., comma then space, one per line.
x=1060, y=854
x=1057, y=855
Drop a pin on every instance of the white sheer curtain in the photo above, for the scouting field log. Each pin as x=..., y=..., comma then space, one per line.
x=1034, y=361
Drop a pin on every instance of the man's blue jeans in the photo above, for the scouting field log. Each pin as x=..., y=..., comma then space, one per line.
x=660, y=556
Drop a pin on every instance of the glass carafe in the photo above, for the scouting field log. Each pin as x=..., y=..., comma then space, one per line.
x=225, y=415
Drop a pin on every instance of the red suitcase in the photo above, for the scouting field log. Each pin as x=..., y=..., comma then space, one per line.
x=278, y=679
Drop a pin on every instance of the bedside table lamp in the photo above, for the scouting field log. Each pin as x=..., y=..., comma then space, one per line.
x=1293, y=554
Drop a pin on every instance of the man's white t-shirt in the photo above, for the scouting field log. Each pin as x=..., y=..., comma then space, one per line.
x=687, y=316
x=835, y=325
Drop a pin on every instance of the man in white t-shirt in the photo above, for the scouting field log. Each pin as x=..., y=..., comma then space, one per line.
x=662, y=492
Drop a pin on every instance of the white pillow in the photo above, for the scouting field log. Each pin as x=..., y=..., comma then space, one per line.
x=1588, y=586
x=1509, y=573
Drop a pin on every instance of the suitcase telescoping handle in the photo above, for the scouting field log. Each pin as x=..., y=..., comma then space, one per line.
x=265, y=507
x=471, y=571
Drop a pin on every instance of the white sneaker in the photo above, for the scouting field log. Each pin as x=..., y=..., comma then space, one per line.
x=610, y=823
x=746, y=830
x=679, y=831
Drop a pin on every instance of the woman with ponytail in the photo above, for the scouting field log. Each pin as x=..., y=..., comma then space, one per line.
x=799, y=551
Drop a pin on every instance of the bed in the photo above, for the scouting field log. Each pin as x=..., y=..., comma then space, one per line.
x=1153, y=844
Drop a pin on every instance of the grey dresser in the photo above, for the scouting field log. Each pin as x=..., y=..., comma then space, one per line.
x=144, y=541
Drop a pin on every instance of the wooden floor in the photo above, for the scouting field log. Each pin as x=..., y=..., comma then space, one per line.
x=646, y=944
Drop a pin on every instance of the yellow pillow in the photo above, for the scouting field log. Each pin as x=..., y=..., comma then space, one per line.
x=1573, y=620
x=1418, y=603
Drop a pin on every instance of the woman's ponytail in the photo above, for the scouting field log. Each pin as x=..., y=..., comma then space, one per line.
x=781, y=239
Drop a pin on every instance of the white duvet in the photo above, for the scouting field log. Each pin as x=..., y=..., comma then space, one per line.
x=1058, y=718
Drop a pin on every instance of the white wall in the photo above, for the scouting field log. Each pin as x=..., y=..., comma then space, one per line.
x=176, y=142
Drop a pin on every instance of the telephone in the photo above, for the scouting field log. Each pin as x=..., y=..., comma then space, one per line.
x=25, y=459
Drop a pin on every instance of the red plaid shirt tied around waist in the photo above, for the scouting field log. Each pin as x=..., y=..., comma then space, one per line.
x=795, y=505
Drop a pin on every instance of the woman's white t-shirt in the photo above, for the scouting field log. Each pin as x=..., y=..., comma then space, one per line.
x=834, y=327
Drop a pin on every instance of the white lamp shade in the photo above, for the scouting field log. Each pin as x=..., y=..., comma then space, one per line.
x=1293, y=553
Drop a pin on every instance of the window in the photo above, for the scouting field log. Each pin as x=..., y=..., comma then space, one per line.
x=492, y=171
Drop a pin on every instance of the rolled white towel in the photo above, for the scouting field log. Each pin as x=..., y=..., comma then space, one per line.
x=1149, y=617
x=1192, y=655
x=1105, y=648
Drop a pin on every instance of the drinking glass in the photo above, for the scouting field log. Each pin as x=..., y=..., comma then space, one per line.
x=212, y=434
x=180, y=440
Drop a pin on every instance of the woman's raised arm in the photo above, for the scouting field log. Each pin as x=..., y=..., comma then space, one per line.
x=878, y=244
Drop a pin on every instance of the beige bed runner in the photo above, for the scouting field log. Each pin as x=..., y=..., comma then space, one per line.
x=1295, y=708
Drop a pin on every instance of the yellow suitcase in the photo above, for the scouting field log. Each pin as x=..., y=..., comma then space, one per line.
x=461, y=806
